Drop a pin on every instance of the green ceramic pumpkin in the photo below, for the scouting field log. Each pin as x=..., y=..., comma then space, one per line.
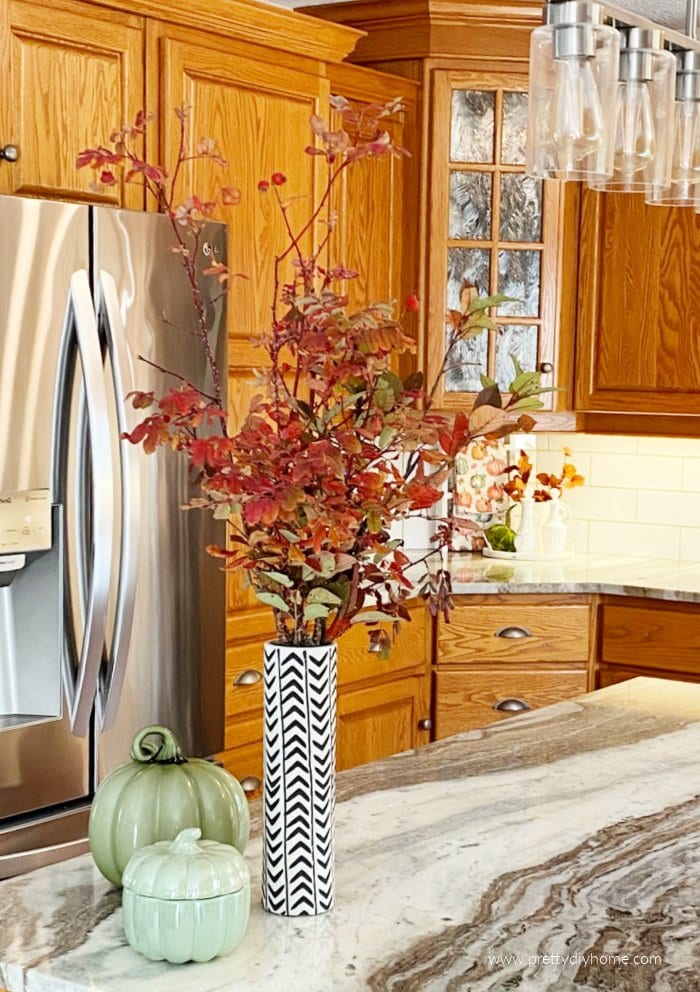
x=186, y=900
x=158, y=794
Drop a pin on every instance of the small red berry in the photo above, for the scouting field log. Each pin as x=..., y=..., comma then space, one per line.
x=279, y=178
x=412, y=303
x=263, y=186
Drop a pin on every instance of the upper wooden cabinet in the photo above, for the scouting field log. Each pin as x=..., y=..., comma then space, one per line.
x=638, y=348
x=72, y=73
x=482, y=225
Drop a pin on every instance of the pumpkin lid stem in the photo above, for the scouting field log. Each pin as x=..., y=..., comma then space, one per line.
x=166, y=752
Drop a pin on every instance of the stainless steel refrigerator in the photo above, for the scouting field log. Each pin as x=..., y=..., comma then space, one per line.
x=112, y=616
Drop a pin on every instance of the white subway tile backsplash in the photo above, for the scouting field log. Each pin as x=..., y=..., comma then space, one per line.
x=679, y=509
x=641, y=497
x=645, y=540
x=592, y=503
x=691, y=475
x=632, y=471
x=690, y=544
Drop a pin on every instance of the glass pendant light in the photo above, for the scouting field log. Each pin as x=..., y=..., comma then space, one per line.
x=574, y=62
x=644, y=114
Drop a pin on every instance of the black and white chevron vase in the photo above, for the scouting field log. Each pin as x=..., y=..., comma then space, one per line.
x=299, y=779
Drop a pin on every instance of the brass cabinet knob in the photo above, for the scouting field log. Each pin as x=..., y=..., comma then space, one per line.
x=511, y=706
x=251, y=783
x=10, y=153
x=425, y=724
x=249, y=677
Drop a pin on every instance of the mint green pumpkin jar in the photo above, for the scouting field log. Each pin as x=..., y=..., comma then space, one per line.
x=186, y=899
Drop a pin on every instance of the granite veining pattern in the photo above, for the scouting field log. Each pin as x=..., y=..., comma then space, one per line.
x=556, y=851
x=582, y=573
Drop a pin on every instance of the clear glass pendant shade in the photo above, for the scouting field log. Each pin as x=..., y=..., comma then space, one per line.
x=643, y=135
x=573, y=81
x=684, y=187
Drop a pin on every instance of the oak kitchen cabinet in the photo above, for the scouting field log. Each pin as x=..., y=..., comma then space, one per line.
x=484, y=227
x=72, y=73
x=638, y=349
x=647, y=637
x=502, y=655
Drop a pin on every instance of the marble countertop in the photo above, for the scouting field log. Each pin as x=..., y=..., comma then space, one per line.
x=580, y=573
x=557, y=851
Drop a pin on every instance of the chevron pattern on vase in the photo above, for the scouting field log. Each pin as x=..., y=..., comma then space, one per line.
x=299, y=779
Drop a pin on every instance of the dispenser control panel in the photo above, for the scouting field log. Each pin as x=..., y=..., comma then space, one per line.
x=25, y=521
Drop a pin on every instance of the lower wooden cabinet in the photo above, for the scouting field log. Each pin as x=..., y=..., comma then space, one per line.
x=647, y=637
x=471, y=697
x=382, y=720
x=501, y=655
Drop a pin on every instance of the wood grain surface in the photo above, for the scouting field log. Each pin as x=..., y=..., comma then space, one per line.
x=655, y=635
x=465, y=699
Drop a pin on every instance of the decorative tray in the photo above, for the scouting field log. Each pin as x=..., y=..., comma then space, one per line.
x=523, y=556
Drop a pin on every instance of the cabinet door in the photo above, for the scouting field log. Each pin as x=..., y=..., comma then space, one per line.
x=638, y=339
x=258, y=112
x=72, y=74
x=382, y=720
x=376, y=202
x=612, y=674
x=492, y=230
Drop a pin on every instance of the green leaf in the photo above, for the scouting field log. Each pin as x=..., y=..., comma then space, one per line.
x=525, y=382
x=516, y=364
x=280, y=578
x=290, y=536
x=316, y=611
x=386, y=437
x=272, y=599
x=413, y=382
x=222, y=511
x=321, y=595
x=372, y=616
x=527, y=403
x=486, y=302
x=486, y=381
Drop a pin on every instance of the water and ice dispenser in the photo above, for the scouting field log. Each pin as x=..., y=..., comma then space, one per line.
x=30, y=608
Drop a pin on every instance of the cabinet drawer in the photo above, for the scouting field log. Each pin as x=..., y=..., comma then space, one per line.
x=558, y=632
x=466, y=699
x=244, y=671
x=410, y=650
x=656, y=636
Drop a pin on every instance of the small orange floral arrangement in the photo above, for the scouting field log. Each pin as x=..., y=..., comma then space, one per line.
x=520, y=473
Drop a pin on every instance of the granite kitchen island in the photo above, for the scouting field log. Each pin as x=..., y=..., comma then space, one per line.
x=558, y=850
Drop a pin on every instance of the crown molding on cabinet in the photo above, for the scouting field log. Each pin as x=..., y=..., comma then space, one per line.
x=436, y=28
x=251, y=21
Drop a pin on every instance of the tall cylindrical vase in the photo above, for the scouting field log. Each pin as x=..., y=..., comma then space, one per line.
x=300, y=685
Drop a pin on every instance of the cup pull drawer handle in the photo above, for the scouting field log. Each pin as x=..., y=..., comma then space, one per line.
x=249, y=677
x=511, y=706
x=513, y=633
x=251, y=783
x=9, y=153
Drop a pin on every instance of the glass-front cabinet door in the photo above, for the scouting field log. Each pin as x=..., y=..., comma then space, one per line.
x=492, y=230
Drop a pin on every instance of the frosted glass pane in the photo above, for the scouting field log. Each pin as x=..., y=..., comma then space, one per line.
x=514, y=130
x=468, y=274
x=521, y=208
x=520, y=341
x=470, y=205
x=519, y=276
x=472, y=126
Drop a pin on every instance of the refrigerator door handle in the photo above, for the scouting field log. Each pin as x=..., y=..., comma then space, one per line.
x=83, y=688
x=111, y=324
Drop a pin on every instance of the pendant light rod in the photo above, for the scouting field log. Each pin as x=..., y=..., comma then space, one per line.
x=676, y=39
